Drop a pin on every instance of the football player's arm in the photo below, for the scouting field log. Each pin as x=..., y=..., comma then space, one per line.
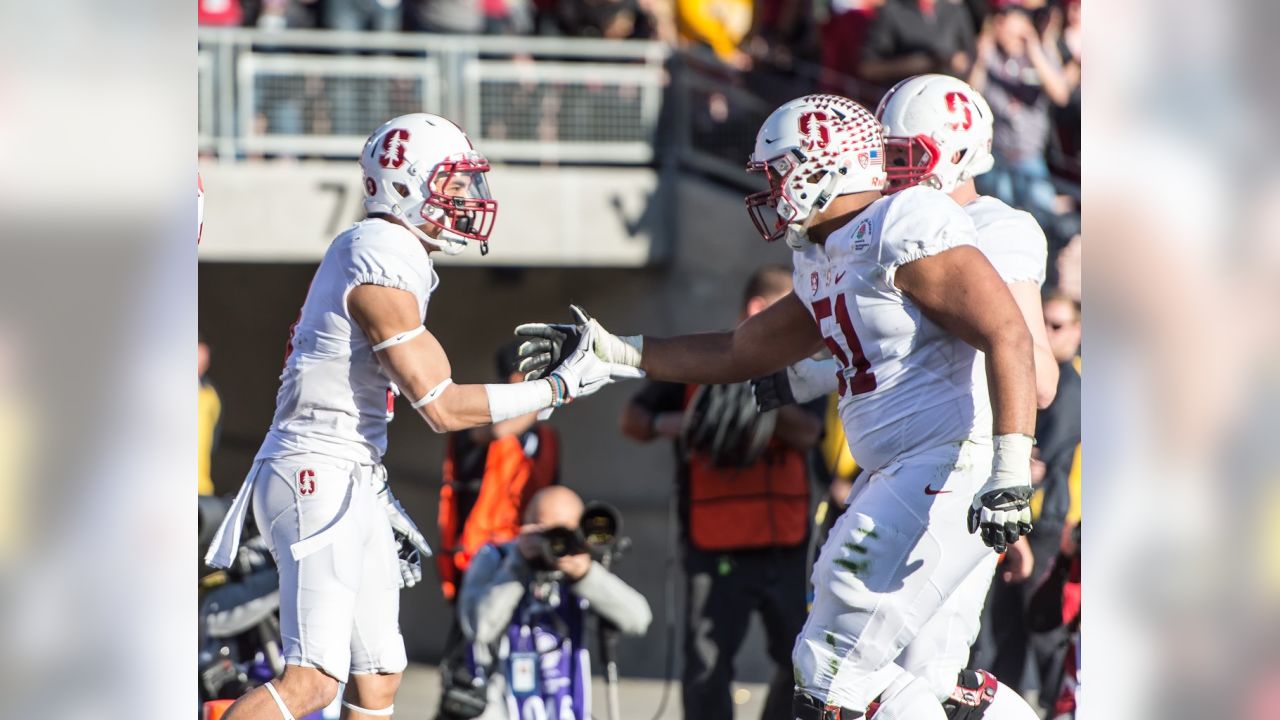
x=1027, y=295
x=799, y=427
x=420, y=366
x=959, y=290
x=770, y=340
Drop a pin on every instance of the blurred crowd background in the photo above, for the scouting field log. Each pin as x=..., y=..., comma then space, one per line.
x=619, y=130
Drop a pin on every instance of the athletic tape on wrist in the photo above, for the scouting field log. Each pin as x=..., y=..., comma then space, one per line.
x=1012, y=453
x=275, y=695
x=516, y=399
x=403, y=337
x=432, y=394
x=384, y=712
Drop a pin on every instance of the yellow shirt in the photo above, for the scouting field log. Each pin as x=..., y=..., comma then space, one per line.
x=722, y=24
x=209, y=408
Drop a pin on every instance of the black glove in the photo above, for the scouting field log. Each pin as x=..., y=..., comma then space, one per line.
x=546, y=344
x=773, y=391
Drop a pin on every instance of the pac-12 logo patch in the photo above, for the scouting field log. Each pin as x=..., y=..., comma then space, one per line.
x=814, y=134
x=306, y=481
x=393, y=148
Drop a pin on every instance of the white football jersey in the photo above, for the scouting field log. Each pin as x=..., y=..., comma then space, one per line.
x=1011, y=239
x=1016, y=246
x=334, y=397
x=905, y=384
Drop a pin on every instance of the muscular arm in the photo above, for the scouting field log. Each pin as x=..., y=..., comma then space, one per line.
x=960, y=291
x=419, y=365
x=797, y=427
x=1027, y=296
x=770, y=340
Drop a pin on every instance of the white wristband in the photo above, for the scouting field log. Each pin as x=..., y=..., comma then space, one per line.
x=516, y=399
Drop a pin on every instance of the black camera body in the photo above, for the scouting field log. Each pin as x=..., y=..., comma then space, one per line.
x=598, y=534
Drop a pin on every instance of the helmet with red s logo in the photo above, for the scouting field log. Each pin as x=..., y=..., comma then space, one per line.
x=813, y=150
x=938, y=131
x=422, y=169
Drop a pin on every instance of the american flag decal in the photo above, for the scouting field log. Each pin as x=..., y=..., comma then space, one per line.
x=875, y=157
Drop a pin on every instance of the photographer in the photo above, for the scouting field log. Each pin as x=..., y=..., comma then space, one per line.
x=536, y=586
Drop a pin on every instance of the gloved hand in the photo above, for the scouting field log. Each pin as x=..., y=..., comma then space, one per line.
x=1001, y=510
x=804, y=381
x=413, y=546
x=547, y=344
x=582, y=373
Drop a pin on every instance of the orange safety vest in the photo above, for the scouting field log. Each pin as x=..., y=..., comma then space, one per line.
x=510, y=478
x=763, y=505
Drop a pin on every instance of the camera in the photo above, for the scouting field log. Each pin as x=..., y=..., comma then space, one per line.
x=598, y=535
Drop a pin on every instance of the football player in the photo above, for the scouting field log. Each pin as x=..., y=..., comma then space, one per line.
x=318, y=490
x=896, y=289
x=938, y=133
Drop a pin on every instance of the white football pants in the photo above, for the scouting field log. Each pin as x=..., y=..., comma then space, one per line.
x=336, y=553
x=890, y=563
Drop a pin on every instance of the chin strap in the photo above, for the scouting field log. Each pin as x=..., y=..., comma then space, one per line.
x=384, y=712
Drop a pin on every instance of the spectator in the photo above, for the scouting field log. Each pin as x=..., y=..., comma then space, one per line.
x=610, y=19
x=521, y=590
x=445, y=16
x=1054, y=609
x=376, y=15
x=721, y=25
x=913, y=37
x=1062, y=36
x=209, y=424
x=744, y=533
x=843, y=36
x=1020, y=81
x=224, y=13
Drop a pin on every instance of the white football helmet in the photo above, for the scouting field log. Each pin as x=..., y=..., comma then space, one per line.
x=938, y=131
x=422, y=169
x=813, y=150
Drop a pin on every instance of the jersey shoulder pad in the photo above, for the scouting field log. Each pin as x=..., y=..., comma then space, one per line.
x=381, y=253
x=1011, y=239
x=919, y=222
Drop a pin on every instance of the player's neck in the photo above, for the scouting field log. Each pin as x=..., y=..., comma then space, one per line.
x=964, y=193
x=425, y=229
x=838, y=214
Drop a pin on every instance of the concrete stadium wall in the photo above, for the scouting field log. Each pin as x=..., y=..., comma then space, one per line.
x=246, y=310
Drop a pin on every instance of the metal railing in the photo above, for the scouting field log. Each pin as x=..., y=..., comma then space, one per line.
x=317, y=93
x=320, y=93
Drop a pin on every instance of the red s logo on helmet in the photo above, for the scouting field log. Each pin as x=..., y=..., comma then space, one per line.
x=393, y=148
x=813, y=131
x=957, y=105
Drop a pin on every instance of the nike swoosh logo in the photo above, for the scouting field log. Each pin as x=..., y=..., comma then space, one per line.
x=767, y=141
x=840, y=276
x=928, y=490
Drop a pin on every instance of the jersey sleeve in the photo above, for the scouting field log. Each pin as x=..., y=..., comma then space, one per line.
x=378, y=264
x=1018, y=248
x=921, y=222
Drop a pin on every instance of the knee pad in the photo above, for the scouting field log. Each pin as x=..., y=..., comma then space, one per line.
x=974, y=693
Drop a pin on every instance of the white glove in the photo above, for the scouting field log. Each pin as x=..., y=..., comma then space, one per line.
x=1002, y=508
x=413, y=546
x=582, y=373
x=547, y=343
x=806, y=380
